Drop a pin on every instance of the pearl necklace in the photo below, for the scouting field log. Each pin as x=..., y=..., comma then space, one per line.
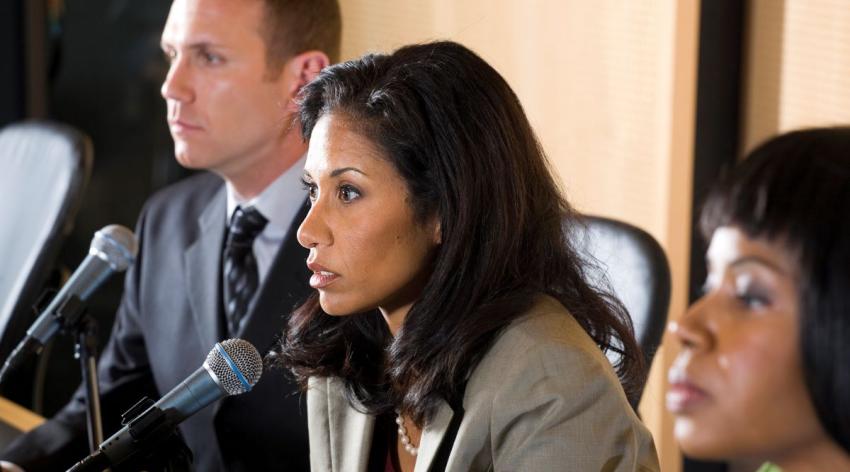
x=402, y=433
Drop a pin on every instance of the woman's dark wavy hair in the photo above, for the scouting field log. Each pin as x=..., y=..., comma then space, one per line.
x=794, y=190
x=455, y=131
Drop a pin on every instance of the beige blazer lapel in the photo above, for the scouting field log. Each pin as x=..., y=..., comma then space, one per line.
x=347, y=432
x=432, y=437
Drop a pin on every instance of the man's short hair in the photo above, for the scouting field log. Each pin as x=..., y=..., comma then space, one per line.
x=291, y=27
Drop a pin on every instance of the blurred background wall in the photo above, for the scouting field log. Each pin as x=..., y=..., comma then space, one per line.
x=638, y=104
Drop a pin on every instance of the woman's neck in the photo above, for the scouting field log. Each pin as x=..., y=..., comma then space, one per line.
x=395, y=316
x=823, y=455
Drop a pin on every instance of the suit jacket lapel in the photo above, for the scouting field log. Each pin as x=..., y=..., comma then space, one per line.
x=351, y=432
x=273, y=305
x=202, y=261
x=433, y=436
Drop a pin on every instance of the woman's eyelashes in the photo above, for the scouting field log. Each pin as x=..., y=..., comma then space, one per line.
x=750, y=294
x=310, y=187
x=346, y=193
x=745, y=290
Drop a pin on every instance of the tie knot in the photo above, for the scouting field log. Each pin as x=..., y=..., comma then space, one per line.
x=245, y=225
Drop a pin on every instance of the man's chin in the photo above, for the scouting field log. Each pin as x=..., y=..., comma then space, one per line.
x=189, y=160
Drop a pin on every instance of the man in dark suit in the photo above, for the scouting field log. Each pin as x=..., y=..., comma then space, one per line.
x=218, y=256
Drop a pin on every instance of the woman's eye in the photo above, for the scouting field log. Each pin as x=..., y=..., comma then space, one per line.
x=750, y=293
x=347, y=193
x=310, y=187
x=753, y=301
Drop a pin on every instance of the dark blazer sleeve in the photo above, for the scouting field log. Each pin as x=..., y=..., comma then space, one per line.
x=124, y=374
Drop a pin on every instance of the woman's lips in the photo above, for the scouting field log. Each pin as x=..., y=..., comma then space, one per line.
x=683, y=397
x=322, y=279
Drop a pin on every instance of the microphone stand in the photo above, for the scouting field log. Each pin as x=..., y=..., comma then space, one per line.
x=84, y=329
x=156, y=444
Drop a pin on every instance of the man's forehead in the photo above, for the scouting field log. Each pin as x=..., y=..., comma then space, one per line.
x=211, y=21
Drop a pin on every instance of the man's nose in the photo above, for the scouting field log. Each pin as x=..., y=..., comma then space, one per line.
x=177, y=85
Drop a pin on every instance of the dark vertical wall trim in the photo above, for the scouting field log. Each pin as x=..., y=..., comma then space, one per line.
x=35, y=43
x=718, y=120
x=12, y=58
x=718, y=124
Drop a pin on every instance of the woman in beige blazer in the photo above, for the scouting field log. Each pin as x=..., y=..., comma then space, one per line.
x=451, y=327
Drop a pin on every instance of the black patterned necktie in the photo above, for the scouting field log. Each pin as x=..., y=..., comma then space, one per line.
x=241, y=277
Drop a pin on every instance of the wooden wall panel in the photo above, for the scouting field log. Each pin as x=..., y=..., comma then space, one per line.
x=798, y=58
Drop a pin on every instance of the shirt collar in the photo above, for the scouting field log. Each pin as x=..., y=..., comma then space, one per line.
x=279, y=202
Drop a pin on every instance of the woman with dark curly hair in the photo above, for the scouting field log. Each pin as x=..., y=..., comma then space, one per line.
x=763, y=373
x=452, y=327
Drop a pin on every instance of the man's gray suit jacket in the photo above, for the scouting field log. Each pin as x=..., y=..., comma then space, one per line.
x=169, y=319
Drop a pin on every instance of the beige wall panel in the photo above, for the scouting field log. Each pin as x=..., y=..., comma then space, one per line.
x=591, y=76
x=797, y=69
x=608, y=85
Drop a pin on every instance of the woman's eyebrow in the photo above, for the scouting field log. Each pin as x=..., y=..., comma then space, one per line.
x=760, y=261
x=342, y=170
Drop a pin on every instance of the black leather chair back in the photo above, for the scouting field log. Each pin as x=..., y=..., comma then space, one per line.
x=44, y=168
x=628, y=262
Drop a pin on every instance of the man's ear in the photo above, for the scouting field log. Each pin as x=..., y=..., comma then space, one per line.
x=301, y=69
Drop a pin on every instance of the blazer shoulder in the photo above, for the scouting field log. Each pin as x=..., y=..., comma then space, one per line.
x=546, y=390
x=547, y=327
x=543, y=355
x=190, y=195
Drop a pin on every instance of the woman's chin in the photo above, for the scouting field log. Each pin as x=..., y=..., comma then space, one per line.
x=334, y=307
x=697, y=442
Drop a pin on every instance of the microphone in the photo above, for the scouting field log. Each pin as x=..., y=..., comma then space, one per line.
x=232, y=367
x=112, y=250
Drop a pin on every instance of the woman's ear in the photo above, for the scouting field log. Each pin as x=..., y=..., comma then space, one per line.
x=438, y=232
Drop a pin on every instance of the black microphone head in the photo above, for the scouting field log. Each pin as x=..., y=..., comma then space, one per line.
x=236, y=364
x=116, y=245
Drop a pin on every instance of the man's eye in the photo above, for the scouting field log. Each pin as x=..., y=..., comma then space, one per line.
x=211, y=58
x=348, y=193
x=169, y=56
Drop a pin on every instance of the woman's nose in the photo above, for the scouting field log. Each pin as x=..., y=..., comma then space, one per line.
x=692, y=330
x=314, y=230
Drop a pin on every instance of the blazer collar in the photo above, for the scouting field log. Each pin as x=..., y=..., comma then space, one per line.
x=350, y=431
x=202, y=261
x=432, y=437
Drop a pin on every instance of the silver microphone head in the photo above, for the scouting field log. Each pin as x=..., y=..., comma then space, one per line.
x=236, y=365
x=116, y=245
